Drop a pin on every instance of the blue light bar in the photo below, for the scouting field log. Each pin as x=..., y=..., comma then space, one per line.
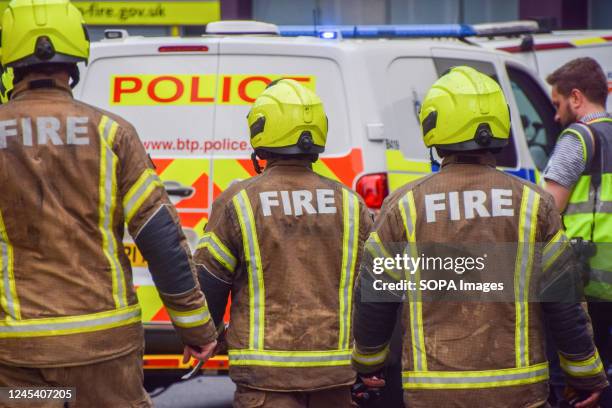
x=382, y=31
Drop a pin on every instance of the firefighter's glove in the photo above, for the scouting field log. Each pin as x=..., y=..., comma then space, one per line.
x=367, y=388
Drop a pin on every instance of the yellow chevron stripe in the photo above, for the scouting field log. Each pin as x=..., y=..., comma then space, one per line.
x=226, y=171
x=186, y=171
x=321, y=168
x=149, y=301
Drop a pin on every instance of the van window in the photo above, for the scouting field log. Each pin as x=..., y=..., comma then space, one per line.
x=507, y=157
x=537, y=116
x=246, y=76
x=170, y=99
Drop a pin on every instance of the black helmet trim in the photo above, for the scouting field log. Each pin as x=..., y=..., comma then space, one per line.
x=429, y=123
x=473, y=145
x=258, y=126
x=290, y=150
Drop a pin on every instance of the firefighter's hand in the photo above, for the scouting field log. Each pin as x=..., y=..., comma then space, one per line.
x=202, y=353
x=591, y=402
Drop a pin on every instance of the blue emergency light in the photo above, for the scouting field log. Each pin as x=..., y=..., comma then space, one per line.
x=379, y=31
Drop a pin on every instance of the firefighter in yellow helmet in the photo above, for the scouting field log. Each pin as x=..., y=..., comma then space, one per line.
x=72, y=176
x=465, y=347
x=286, y=244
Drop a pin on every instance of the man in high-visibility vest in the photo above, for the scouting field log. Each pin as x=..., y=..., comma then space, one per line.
x=72, y=176
x=287, y=244
x=579, y=176
x=461, y=351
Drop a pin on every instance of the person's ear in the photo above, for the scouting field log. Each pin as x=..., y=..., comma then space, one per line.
x=576, y=98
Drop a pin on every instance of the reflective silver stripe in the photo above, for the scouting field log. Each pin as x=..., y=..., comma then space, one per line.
x=288, y=358
x=524, y=272
x=349, y=268
x=200, y=317
x=406, y=206
x=553, y=248
x=601, y=276
x=594, y=367
x=137, y=195
x=6, y=272
x=78, y=323
x=604, y=207
x=255, y=275
x=218, y=251
x=108, y=203
x=491, y=380
x=372, y=358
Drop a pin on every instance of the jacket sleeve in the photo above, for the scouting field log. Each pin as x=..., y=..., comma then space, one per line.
x=374, y=314
x=154, y=224
x=568, y=322
x=217, y=255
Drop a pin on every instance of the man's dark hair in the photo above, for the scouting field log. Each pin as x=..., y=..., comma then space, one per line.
x=584, y=74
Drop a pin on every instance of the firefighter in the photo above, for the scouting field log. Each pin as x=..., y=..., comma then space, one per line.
x=471, y=353
x=72, y=176
x=286, y=243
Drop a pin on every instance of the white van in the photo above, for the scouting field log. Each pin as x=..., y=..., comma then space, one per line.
x=548, y=51
x=189, y=97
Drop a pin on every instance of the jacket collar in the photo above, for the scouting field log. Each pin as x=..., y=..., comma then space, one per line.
x=40, y=83
x=485, y=159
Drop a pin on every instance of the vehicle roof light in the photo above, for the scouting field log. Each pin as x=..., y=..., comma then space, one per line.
x=508, y=28
x=381, y=31
x=330, y=35
x=241, y=27
x=183, y=48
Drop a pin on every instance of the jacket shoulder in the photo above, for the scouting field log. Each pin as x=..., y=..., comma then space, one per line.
x=99, y=112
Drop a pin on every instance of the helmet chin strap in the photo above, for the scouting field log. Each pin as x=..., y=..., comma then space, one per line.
x=256, y=165
x=434, y=162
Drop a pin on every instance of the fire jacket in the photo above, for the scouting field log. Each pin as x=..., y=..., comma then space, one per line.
x=72, y=176
x=287, y=244
x=476, y=353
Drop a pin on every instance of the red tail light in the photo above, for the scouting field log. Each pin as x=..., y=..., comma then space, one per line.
x=373, y=188
x=183, y=48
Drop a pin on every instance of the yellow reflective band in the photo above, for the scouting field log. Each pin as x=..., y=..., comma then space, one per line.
x=253, y=258
x=522, y=273
x=583, y=368
x=350, y=238
x=376, y=248
x=8, y=291
x=58, y=326
x=409, y=217
x=220, y=252
x=108, y=197
x=370, y=359
x=554, y=248
x=190, y=318
x=278, y=358
x=584, y=148
x=449, y=380
x=139, y=192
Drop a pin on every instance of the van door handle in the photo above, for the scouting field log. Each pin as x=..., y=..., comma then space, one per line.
x=174, y=188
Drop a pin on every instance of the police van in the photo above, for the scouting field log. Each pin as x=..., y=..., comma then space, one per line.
x=188, y=99
x=545, y=52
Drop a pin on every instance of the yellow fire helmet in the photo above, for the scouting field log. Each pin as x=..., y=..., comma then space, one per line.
x=288, y=118
x=6, y=85
x=465, y=110
x=43, y=31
